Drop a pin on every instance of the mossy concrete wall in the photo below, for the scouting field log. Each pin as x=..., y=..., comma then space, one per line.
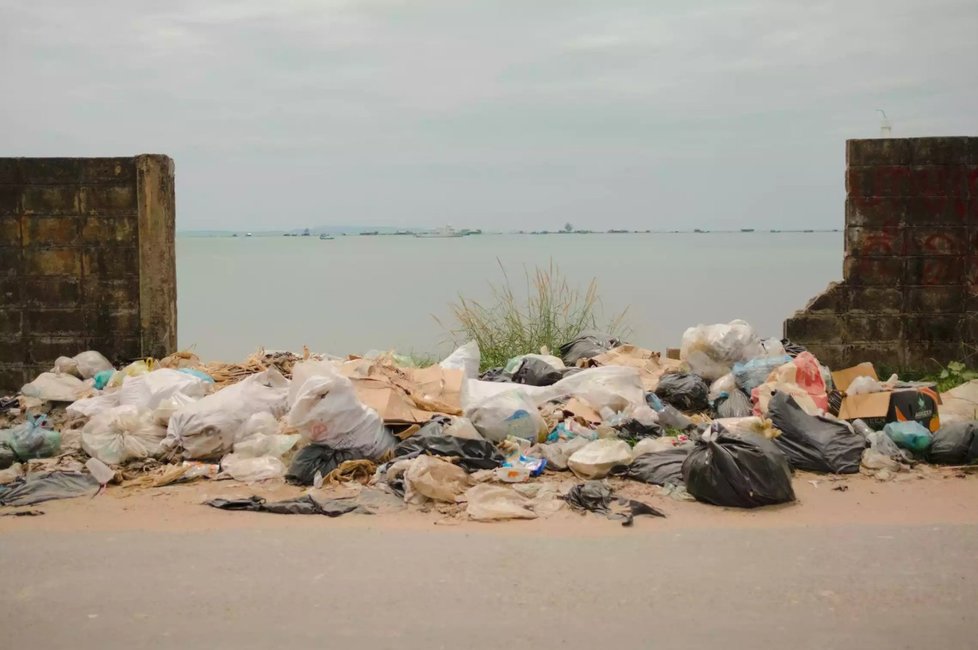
x=909, y=295
x=87, y=261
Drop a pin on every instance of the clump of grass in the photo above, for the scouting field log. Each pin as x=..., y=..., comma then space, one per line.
x=549, y=313
x=952, y=375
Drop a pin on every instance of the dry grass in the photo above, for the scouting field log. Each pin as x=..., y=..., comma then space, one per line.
x=549, y=313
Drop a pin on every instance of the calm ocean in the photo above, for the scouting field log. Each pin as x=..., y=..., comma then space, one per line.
x=353, y=294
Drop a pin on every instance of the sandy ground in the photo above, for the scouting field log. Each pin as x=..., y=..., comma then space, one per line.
x=879, y=565
x=928, y=495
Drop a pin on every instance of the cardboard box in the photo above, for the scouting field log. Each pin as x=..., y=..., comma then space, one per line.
x=906, y=401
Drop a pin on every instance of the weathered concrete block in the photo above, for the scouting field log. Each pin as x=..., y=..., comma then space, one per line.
x=43, y=348
x=11, y=374
x=52, y=292
x=935, y=270
x=11, y=261
x=874, y=327
x=10, y=200
x=55, y=261
x=109, y=200
x=934, y=300
x=821, y=328
x=885, y=355
x=11, y=320
x=930, y=355
x=866, y=242
x=942, y=151
x=47, y=231
x=873, y=271
x=832, y=355
x=878, y=151
x=50, y=171
x=934, y=327
x=122, y=292
x=10, y=290
x=57, y=321
x=876, y=212
x=882, y=181
x=835, y=298
x=97, y=171
x=111, y=263
x=938, y=181
x=9, y=231
x=949, y=240
x=879, y=300
x=57, y=199
x=110, y=230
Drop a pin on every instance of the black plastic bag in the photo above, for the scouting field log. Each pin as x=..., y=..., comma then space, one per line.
x=596, y=496
x=7, y=456
x=657, y=468
x=472, y=454
x=684, y=391
x=536, y=372
x=587, y=346
x=733, y=405
x=632, y=429
x=304, y=505
x=737, y=471
x=318, y=458
x=494, y=374
x=955, y=444
x=813, y=443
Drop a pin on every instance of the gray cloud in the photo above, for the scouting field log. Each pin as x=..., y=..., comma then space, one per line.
x=487, y=113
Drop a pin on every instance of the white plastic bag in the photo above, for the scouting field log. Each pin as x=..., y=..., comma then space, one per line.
x=618, y=388
x=207, y=428
x=508, y=414
x=475, y=391
x=596, y=459
x=711, y=350
x=726, y=384
x=147, y=391
x=50, y=387
x=496, y=503
x=90, y=363
x=434, y=478
x=120, y=434
x=169, y=406
x=863, y=385
x=249, y=469
x=327, y=411
x=653, y=445
x=558, y=453
x=65, y=366
x=92, y=406
x=466, y=358
x=462, y=428
x=304, y=370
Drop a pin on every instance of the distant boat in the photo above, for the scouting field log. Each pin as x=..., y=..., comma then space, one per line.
x=370, y=233
x=248, y=234
x=325, y=237
x=746, y=230
x=447, y=231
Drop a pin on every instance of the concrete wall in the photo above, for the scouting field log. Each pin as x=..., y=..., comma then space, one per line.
x=87, y=261
x=909, y=293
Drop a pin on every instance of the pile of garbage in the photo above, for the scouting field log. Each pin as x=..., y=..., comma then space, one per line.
x=727, y=423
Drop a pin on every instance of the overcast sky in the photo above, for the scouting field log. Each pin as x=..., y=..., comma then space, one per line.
x=488, y=113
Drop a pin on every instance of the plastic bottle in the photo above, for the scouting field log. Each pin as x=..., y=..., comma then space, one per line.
x=861, y=428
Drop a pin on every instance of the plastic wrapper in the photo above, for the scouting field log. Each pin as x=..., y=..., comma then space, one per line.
x=595, y=460
x=466, y=358
x=249, y=469
x=710, y=351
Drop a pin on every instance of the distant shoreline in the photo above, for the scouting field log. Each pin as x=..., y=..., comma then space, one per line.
x=411, y=233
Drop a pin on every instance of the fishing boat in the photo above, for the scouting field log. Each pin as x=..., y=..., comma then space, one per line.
x=325, y=237
x=447, y=231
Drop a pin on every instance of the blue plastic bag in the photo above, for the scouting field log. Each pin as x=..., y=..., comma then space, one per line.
x=33, y=439
x=199, y=374
x=910, y=435
x=102, y=378
x=753, y=373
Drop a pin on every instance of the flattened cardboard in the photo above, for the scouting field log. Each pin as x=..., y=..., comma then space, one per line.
x=407, y=395
x=650, y=366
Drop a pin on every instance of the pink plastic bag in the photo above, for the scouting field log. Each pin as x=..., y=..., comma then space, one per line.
x=802, y=371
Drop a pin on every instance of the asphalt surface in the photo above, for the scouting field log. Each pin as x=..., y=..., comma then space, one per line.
x=855, y=586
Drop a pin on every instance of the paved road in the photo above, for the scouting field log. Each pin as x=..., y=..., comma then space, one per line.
x=840, y=587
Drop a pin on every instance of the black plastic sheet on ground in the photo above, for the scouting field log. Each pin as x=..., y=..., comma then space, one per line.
x=813, y=443
x=595, y=496
x=304, y=505
x=738, y=471
x=657, y=468
x=472, y=455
